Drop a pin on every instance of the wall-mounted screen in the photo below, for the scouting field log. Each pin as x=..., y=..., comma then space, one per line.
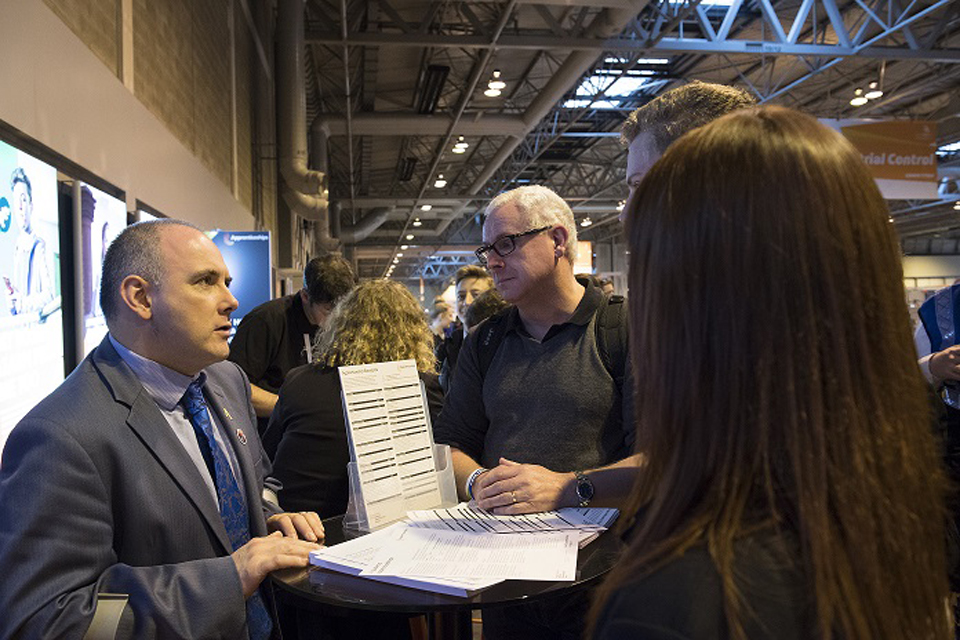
x=247, y=255
x=102, y=218
x=31, y=319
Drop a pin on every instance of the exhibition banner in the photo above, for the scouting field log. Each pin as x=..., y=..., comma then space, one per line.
x=247, y=254
x=31, y=318
x=584, y=263
x=901, y=154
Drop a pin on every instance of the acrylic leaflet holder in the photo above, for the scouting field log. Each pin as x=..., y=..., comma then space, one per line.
x=356, y=517
x=395, y=466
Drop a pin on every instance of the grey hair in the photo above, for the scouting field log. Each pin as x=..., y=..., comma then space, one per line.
x=136, y=251
x=540, y=206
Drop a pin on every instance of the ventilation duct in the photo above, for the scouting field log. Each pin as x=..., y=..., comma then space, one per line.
x=433, y=80
x=367, y=225
x=406, y=168
x=303, y=189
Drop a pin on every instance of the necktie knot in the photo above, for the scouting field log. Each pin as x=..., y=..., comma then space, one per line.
x=192, y=399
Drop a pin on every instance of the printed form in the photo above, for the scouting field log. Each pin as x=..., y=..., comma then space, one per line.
x=353, y=556
x=450, y=555
x=390, y=439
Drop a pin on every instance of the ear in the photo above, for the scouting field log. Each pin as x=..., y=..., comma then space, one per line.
x=304, y=298
x=560, y=237
x=135, y=293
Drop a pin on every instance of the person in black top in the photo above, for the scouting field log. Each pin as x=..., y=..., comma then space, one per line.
x=792, y=488
x=276, y=336
x=379, y=321
x=469, y=282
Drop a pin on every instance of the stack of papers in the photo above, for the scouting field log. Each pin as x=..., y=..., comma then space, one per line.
x=588, y=522
x=462, y=550
x=354, y=556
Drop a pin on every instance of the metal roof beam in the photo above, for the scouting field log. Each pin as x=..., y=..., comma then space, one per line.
x=665, y=46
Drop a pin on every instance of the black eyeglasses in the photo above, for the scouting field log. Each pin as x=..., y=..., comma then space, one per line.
x=506, y=245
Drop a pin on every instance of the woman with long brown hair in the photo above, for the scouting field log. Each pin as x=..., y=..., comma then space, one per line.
x=793, y=486
x=378, y=321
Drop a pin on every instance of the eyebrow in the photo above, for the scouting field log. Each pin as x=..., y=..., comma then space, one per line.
x=206, y=273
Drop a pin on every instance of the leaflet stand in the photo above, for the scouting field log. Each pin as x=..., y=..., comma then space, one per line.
x=356, y=516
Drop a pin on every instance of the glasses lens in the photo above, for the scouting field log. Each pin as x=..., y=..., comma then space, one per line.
x=504, y=246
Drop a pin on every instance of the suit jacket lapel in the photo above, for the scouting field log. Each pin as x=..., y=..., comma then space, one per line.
x=153, y=430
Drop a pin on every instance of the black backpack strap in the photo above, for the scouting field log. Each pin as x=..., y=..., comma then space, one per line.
x=611, y=327
x=491, y=332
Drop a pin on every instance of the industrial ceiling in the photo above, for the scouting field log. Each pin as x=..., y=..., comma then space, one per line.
x=393, y=86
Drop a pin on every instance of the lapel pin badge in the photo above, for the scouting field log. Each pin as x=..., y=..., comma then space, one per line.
x=227, y=413
x=241, y=436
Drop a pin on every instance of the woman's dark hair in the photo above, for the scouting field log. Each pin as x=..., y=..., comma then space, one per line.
x=776, y=379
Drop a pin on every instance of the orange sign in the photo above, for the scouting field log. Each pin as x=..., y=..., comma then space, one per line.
x=901, y=154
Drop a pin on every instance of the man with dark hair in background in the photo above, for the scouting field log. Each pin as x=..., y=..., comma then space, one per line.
x=276, y=336
x=652, y=128
x=131, y=497
x=469, y=282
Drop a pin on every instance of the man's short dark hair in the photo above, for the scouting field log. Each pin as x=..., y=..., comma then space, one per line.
x=471, y=271
x=136, y=251
x=485, y=305
x=327, y=279
x=672, y=114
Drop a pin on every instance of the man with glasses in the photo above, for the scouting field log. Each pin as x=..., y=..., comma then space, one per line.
x=531, y=422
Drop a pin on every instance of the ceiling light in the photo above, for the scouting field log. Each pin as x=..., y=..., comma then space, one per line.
x=956, y=206
x=491, y=93
x=621, y=205
x=586, y=222
x=461, y=146
x=410, y=235
x=858, y=99
x=426, y=207
x=396, y=260
x=440, y=182
x=404, y=246
x=874, y=92
x=497, y=84
x=416, y=222
x=459, y=150
x=399, y=255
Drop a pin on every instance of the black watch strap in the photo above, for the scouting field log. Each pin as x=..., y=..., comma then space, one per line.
x=584, y=488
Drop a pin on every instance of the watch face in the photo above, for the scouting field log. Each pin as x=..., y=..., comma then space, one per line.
x=584, y=489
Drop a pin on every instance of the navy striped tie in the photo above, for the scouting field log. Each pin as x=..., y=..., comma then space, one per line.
x=233, y=509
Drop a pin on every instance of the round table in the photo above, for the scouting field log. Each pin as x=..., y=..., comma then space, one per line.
x=449, y=616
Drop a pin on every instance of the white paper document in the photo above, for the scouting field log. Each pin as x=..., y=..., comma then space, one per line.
x=353, y=556
x=452, y=555
x=390, y=439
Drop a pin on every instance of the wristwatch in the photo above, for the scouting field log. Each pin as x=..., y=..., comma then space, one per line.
x=584, y=488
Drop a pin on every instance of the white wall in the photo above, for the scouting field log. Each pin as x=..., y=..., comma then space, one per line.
x=930, y=272
x=54, y=89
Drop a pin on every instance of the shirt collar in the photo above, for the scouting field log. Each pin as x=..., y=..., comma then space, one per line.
x=161, y=383
x=586, y=308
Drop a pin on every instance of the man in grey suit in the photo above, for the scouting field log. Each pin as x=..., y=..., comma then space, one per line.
x=122, y=505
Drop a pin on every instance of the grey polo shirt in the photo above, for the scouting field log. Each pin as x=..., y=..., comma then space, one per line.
x=551, y=403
